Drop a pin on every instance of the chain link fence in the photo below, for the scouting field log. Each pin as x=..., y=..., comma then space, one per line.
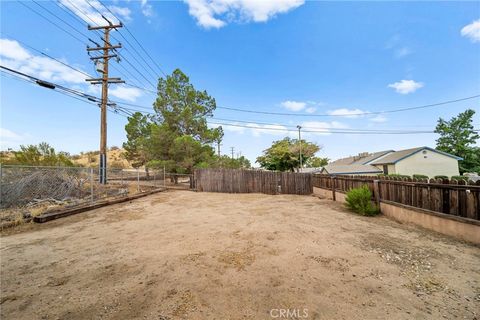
x=27, y=191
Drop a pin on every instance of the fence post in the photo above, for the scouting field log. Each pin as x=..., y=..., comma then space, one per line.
x=91, y=185
x=376, y=192
x=333, y=189
x=138, y=180
x=1, y=181
x=164, y=182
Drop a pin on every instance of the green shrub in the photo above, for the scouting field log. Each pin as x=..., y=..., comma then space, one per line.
x=359, y=200
x=420, y=176
x=441, y=177
x=464, y=178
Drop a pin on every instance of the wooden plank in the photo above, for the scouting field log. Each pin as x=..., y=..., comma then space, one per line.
x=71, y=211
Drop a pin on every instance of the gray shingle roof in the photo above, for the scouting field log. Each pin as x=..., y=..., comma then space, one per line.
x=401, y=154
x=372, y=156
x=351, y=169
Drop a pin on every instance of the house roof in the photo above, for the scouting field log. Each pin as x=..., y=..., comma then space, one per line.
x=396, y=156
x=310, y=170
x=362, y=158
x=348, y=160
x=372, y=156
x=351, y=169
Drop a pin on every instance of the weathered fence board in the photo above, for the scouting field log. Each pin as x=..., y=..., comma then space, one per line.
x=450, y=197
x=252, y=181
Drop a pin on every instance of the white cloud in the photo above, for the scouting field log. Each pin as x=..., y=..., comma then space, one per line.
x=406, y=86
x=403, y=52
x=294, y=105
x=8, y=134
x=10, y=139
x=235, y=128
x=309, y=128
x=84, y=10
x=320, y=127
x=472, y=31
x=147, y=9
x=120, y=91
x=217, y=13
x=13, y=50
x=270, y=129
x=395, y=44
x=125, y=93
x=310, y=110
x=348, y=113
x=380, y=118
x=14, y=56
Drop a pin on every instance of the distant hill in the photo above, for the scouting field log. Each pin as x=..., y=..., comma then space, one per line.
x=115, y=159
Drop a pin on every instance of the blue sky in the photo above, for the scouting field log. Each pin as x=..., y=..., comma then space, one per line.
x=286, y=56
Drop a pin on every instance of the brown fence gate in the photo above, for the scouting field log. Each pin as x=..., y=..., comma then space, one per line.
x=252, y=181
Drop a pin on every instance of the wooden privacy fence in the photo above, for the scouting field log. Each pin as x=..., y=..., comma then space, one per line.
x=452, y=197
x=252, y=181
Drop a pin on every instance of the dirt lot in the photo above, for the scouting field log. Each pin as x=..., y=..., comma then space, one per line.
x=181, y=254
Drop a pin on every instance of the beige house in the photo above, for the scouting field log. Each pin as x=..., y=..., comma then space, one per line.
x=421, y=160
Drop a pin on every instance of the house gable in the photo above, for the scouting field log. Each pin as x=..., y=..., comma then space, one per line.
x=397, y=156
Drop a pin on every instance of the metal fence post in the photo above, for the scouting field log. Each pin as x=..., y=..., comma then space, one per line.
x=138, y=180
x=91, y=185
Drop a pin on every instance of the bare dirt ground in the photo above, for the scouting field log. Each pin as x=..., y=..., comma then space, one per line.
x=186, y=255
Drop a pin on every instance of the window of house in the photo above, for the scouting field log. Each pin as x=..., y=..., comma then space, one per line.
x=385, y=169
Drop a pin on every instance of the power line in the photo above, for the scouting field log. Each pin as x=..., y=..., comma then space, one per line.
x=134, y=38
x=128, y=42
x=326, y=130
x=76, y=69
x=113, y=37
x=70, y=93
x=351, y=114
x=293, y=126
x=82, y=96
x=55, y=24
x=53, y=58
x=59, y=18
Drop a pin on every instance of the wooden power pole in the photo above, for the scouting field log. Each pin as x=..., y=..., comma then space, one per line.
x=300, y=141
x=105, y=81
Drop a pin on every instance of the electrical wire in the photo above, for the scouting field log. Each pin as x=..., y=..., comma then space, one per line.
x=326, y=130
x=122, y=57
x=126, y=111
x=110, y=109
x=55, y=24
x=128, y=42
x=59, y=18
x=352, y=114
x=136, y=40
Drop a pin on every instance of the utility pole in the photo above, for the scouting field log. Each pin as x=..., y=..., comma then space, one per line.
x=105, y=81
x=300, y=141
x=218, y=147
x=233, y=149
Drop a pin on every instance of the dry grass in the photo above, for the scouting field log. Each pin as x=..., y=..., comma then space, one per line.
x=113, y=157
